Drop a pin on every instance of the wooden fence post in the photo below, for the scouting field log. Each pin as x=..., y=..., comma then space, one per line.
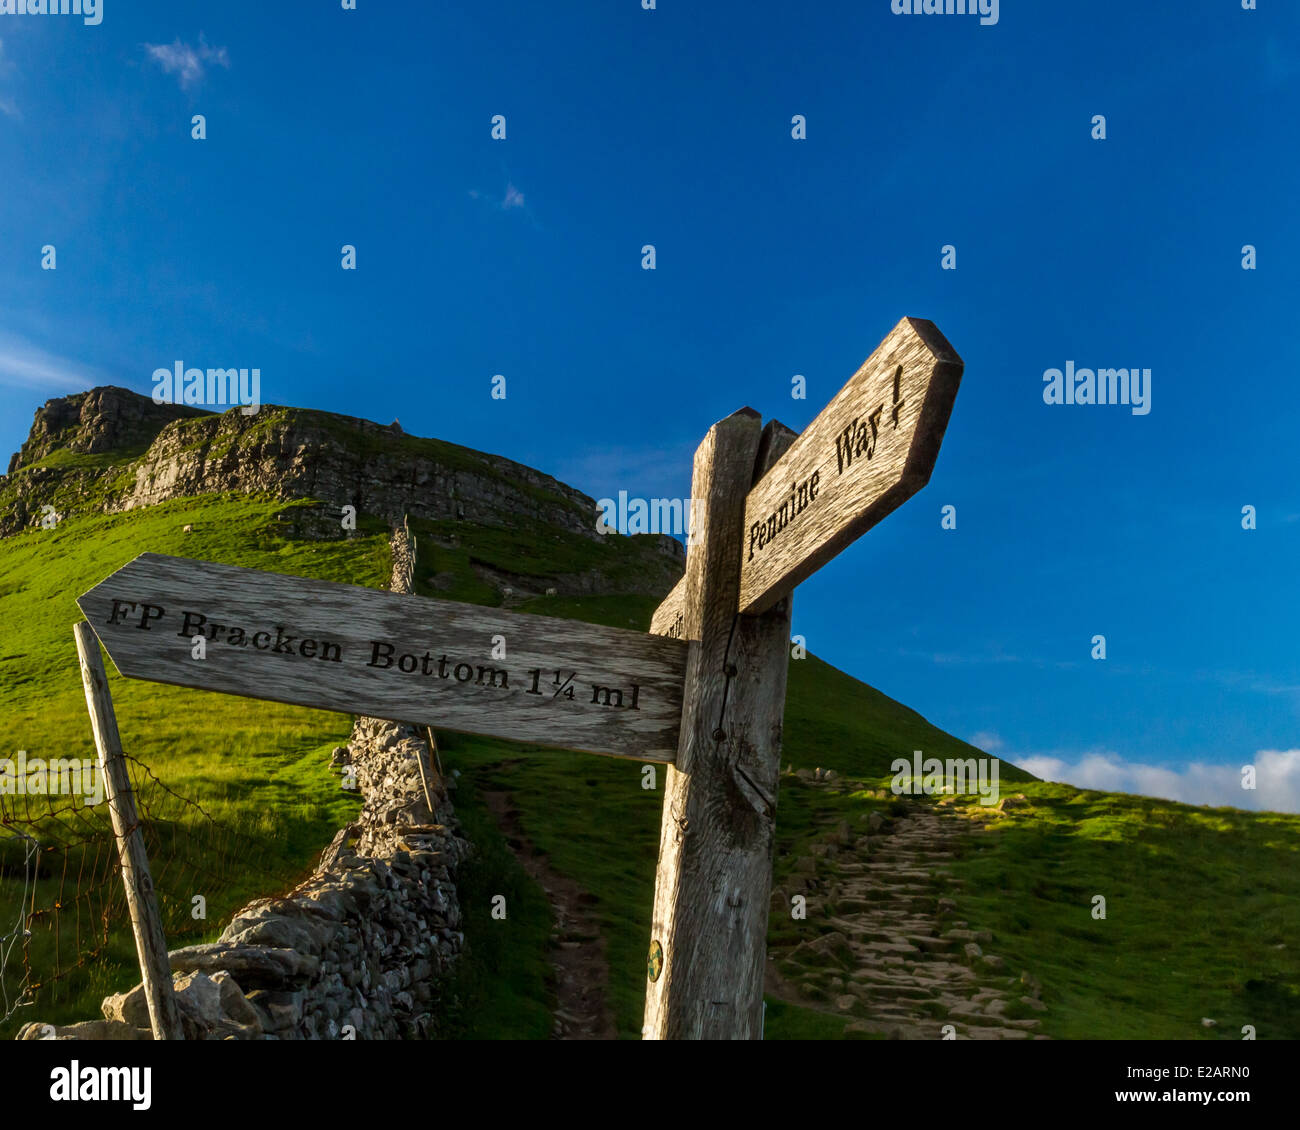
x=150, y=943
x=709, y=927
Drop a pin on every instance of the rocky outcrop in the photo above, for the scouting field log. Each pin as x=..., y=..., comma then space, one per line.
x=90, y=423
x=170, y=452
x=343, y=461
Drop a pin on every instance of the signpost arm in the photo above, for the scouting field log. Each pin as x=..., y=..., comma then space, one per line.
x=709, y=926
x=150, y=943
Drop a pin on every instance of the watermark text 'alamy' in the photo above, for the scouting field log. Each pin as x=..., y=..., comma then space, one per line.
x=215, y=388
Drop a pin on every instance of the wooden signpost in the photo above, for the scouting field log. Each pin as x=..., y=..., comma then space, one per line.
x=868, y=451
x=392, y=655
x=704, y=692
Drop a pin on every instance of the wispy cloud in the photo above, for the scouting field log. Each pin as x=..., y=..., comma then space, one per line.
x=1277, y=778
x=188, y=64
x=8, y=106
x=512, y=199
x=24, y=365
x=1255, y=683
x=986, y=658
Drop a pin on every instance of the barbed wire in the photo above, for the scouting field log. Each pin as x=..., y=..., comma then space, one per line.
x=59, y=862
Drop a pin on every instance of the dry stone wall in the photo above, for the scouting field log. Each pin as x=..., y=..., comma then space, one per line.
x=362, y=948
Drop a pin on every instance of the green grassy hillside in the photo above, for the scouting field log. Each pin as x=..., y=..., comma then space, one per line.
x=1201, y=916
x=256, y=768
x=255, y=801
x=1202, y=910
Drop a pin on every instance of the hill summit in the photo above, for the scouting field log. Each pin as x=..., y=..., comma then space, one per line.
x=111, y=450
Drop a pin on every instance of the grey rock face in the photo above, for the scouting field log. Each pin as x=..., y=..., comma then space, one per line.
x=103, y=419
x=345, y=461
x=171, y=451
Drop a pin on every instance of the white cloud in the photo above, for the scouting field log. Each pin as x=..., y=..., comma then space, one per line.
x=188, y=64
x=8, y=106
x=512, y=199
x=987, y=658
x=23, y=365
x=987, y=740
x=1277, y=778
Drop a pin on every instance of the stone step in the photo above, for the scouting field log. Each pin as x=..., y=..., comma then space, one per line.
x=892, y=897
x=891, y=948
x=887, y=1012
x=930, y=944
x=995, y=1034
x=877, y=991
x=874, y=976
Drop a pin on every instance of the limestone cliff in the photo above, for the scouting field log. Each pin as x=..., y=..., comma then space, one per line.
x=91, y=423
x=110, y=450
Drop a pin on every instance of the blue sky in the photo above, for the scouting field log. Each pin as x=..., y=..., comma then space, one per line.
x=672, y=126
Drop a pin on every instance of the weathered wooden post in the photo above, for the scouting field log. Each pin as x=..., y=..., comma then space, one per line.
x=709, y=928
x=867, y=452
x=150, y=942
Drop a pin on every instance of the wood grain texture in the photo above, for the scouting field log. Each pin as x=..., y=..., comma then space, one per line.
x=715, y=850
x=669, y=619
x=848, y=503
x=759, y=653
x=868, y=451
x=141, y=901
x=560, y=683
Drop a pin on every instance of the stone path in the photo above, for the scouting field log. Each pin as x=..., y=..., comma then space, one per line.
x=893, y=954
